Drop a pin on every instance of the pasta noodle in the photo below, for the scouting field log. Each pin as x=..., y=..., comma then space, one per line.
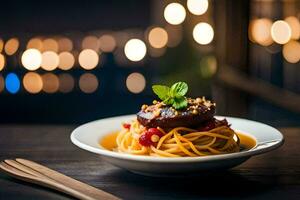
x=179, y=142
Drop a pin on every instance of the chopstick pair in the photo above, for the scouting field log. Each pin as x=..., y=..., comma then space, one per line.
x=32, y=172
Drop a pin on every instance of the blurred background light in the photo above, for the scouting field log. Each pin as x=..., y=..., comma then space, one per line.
x=50, y=83
x=203, y=33
x=294, y=24
x=66, y=61
x=90, y=42
x=2, y=85
x=88, y=83
x=88, y=59
x=158, y=37
x=281, y=32
x=135, y=50
x=11, y=46
x=197, y=7
x=291, y=51
x=2, y=61
x=260, y=31
x=107, y=43
x=66, y=83
x=1, y=45
x=50, y=60
x=65, y=44
x=174, y=13
x=12, y=83
x=50, y=44
x=35, y=43
x=31, y=59
x=135, y=82
x=32, y=82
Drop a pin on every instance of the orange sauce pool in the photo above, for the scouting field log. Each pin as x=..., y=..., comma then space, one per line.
x=109, y=141
x=246, y=142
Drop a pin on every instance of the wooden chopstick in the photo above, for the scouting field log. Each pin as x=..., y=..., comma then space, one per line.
x=61, y=178
x=16, y=173
x=35, y=173
x=24, y=168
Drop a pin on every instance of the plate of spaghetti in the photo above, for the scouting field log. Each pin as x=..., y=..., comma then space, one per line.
x=176, y=135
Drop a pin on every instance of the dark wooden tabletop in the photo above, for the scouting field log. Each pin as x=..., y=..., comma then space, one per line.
x=274, y=175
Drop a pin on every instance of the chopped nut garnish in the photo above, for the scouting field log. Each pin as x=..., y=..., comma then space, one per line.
x=208, y=104
x=195, y=112
x=159, y=105
x=198, y=100
x=157, y=112
x=144, y=107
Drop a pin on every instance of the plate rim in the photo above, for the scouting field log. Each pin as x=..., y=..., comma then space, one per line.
x=103, y=152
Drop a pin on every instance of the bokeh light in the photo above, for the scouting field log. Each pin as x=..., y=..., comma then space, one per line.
x=90, y=42
x=281, y=32
x=66, y=61
x=11, y=46
x=66, y=83
x=88, y=59
x=2, y=61
x=1, y=45
x=50, y=60
x=12, y=83
x=135, y=50
x=88, y=83
x=203, y=33
x=291, y=51
x=65, y=44
x=50, y=44
x=50, y=83
x=135, y=82
x=260, y=31
x=107, y=43
x=32, y=82
x=2, y=85
x=35, y=43
x=174, y=13
x=31, y=59
x=208, y=66
x=158, y=37
x=197, y=7
x=294, y=25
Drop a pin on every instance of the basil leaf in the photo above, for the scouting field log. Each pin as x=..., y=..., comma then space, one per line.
x=179, y=89
x=179, y=103
x=161, y=91
x=169, y=101
x=173, y=96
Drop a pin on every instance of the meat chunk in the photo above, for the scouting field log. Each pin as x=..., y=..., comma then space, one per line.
x=161, y=115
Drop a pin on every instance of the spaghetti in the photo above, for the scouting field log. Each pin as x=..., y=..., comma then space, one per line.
x=178, y=142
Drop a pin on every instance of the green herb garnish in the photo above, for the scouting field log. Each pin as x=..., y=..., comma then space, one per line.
x=172, y=96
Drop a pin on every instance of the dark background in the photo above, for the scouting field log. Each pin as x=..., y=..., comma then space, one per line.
x=238, y=89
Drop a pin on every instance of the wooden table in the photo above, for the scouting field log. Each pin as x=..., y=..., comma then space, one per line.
x=274, y=175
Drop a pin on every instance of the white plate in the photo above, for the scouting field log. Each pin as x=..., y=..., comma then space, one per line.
x=88, y=136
